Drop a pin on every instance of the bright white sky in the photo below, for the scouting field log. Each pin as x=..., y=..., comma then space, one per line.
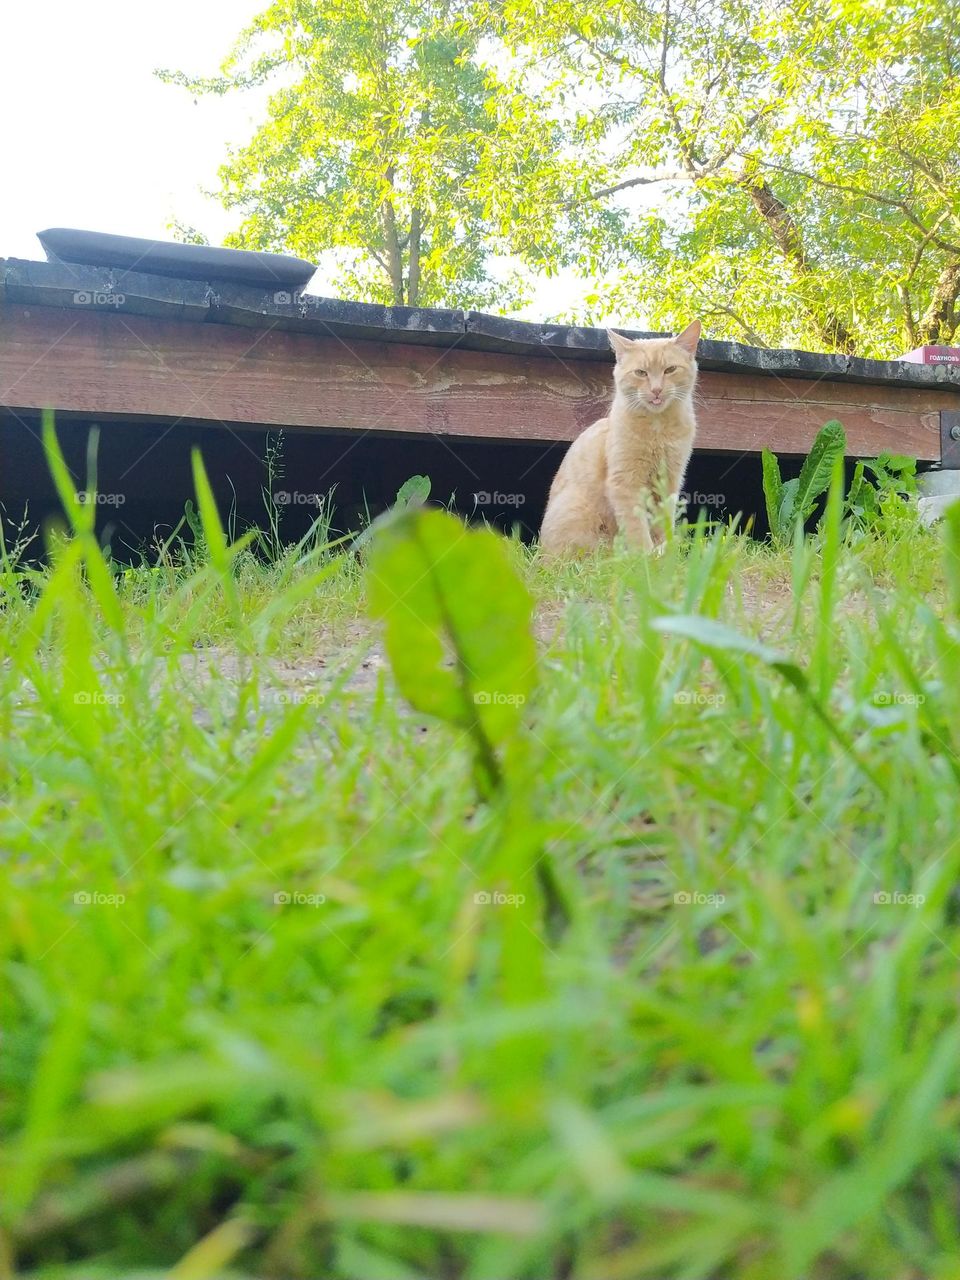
x=92, y=139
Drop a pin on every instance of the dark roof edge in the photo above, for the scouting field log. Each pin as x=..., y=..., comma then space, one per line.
x=108, y=289
x=171, y=258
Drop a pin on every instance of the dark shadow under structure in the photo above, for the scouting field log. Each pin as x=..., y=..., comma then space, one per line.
x=352, y=399
x=144, y=480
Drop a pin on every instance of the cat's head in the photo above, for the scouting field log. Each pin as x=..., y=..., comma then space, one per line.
x=652, y=373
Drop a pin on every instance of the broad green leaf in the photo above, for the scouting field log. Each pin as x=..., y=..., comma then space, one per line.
x=716, y=635
x=413, y=492
x=899, y=464
x=857, y=485
x=814, y=479
x=787, y=516
x=772, y=490
x=457, y=622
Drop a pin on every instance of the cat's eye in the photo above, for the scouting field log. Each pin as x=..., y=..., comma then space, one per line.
x=641, y=373
x=671, y=368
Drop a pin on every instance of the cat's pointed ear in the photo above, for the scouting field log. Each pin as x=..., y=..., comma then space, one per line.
x=689, y=337
x=620, y=344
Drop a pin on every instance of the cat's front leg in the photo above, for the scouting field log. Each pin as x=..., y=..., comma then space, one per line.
x=632, y=521
x=676, y=471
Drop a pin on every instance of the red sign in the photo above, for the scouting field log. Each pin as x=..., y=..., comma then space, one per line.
x=933, y=355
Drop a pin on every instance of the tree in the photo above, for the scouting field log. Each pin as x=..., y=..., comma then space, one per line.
x=377, y=126
x=795, y=162
x=785, y=169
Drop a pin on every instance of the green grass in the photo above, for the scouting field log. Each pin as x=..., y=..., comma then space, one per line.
x=725, y=1058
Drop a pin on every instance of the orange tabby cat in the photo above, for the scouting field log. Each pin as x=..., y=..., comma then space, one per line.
x=626, y=465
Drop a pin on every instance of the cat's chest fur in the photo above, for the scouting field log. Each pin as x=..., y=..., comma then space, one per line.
x=646, y=448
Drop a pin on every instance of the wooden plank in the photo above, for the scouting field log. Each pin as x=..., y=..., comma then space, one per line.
x=116, y=364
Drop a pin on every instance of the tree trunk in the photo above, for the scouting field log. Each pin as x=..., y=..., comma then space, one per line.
x=939, y=322
x=910, y=339
x=789, y=240
x=392, y=245
x=413, y=269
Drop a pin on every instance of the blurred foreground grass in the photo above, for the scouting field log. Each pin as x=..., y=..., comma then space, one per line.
x=284, y=997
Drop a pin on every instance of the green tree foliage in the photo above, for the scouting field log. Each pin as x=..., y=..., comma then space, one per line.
x=799, y=160
x=786, y=170
x=378, y=119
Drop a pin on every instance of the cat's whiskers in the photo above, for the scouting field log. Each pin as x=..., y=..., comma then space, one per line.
x=638, y=401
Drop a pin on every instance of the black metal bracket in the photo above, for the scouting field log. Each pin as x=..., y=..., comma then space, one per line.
x=949, y=439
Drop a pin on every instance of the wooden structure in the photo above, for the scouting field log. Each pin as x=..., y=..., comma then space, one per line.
x=112, y=345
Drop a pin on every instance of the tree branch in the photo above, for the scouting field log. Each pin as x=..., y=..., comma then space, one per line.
x=788, y=238
x=892, y=202
x=687, y=157
x=377, y=258
x=673, y=175
x=923, y=245
x=719, y=308
x=935, y=180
